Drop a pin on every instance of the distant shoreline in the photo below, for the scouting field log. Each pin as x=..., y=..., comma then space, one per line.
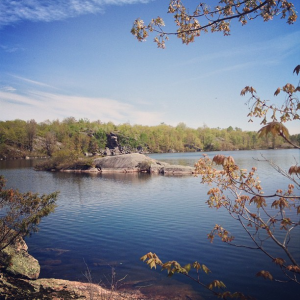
x=29, y=157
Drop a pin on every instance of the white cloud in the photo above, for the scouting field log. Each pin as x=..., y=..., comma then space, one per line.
x=42, y=106
x=47, y=11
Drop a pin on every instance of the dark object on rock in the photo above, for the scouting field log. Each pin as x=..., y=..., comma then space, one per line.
x=112, y=141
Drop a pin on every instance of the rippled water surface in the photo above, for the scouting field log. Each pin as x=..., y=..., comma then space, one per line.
x=109, y=221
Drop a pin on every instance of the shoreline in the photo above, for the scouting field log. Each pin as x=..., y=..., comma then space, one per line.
x=28, y=157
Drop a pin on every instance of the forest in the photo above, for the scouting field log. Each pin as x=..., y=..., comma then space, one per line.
x=20, y=139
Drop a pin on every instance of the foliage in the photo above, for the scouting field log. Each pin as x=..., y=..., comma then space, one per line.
x=50, y=142
x=81, y=136
x=266, y=219
x=238, y=191
x=274, y=217
x=217, y=18
x=65, y=159
x=31, y=133
x=20, y=213
x=100, y=136
x=174, y=267
x=288, y=111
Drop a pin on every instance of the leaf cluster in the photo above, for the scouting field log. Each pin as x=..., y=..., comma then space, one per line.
x=238, y=190
x=216, y=19
x=289, y=111
x=260, y=108
x=173, y=267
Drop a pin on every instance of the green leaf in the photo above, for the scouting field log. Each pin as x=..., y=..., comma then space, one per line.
x=187, y=267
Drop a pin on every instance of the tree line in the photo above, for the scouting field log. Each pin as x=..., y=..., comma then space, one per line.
x=19, y=138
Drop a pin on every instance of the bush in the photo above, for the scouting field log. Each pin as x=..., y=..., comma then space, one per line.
x=65, y=160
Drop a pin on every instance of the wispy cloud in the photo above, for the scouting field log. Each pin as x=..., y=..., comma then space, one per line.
x=42, y=106
x=47, y=11
x=38, y=83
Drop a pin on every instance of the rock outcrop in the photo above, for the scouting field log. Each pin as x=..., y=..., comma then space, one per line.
x=15, y=260
x=20, y=288
x=136, y=162
x=48, y=288
x=123, y=163
x=19, y=273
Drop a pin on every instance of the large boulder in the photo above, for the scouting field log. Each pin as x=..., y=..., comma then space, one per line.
x=16, y=261
x=123, y=163
x=136, y=162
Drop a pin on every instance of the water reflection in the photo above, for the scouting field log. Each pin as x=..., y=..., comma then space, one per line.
x=133, y=178
x=17, y=163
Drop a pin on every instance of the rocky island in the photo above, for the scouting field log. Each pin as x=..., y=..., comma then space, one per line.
x=123, y=163
x=136, y=162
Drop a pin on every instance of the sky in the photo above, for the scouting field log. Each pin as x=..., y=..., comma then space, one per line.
x=77, y=58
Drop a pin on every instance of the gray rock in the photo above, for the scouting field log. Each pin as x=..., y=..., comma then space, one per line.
x=136, y=162
x=122, y=163
x=16, y=260
x=107, y=152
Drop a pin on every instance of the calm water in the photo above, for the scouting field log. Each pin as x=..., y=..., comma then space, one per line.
x=111, y=220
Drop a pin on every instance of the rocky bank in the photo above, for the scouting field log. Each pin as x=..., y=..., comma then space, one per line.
x=19, y=273
x=19, y=280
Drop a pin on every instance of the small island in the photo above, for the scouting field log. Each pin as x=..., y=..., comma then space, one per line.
x=125, y=163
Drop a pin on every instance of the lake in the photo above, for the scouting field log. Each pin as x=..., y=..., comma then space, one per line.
x=107, y=221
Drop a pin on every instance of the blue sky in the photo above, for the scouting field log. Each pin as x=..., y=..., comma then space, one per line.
x=63, y=58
